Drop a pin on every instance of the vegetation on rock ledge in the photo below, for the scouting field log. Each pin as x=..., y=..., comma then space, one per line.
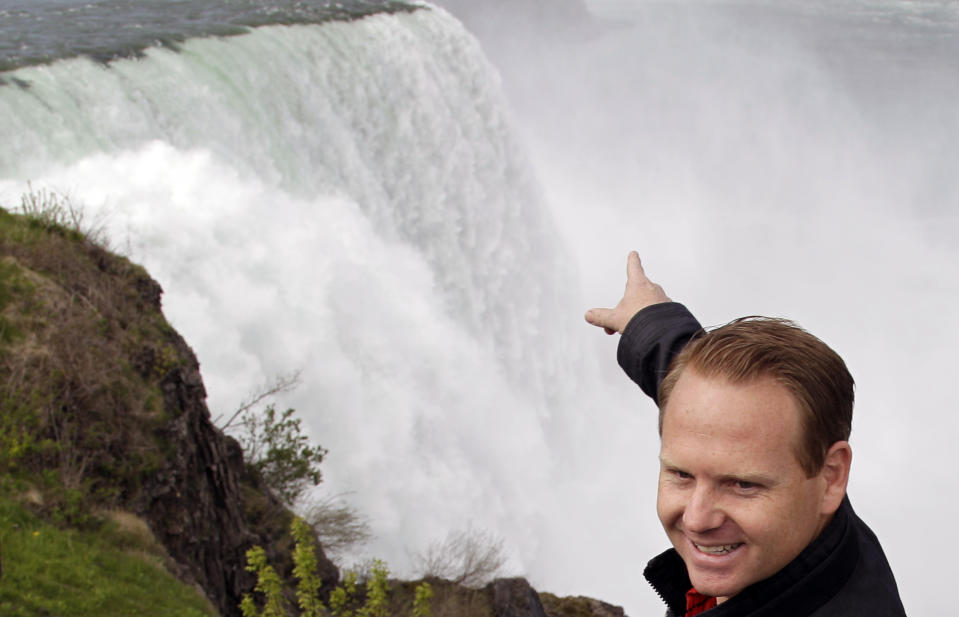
x=103, y=409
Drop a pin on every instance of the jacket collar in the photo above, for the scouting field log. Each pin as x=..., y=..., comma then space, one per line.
x=807, y=582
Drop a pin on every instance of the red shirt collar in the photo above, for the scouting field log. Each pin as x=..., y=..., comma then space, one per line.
x=697, y=603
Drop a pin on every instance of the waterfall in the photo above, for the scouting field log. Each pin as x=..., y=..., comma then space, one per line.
x=348, y=200
x=399, y=114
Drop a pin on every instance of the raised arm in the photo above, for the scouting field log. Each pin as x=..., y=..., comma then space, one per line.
x=654, y=329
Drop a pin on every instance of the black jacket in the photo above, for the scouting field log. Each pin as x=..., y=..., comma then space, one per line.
x=843, y=573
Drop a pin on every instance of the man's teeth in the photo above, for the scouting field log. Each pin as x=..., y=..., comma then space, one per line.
x=718, y=550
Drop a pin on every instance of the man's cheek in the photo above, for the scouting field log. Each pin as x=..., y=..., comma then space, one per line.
x=669, y=506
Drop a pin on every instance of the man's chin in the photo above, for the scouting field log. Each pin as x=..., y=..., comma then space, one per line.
x=716, y=574
x=716, y=587
x=720, y=593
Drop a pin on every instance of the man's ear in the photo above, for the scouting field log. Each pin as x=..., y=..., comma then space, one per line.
x=835, y=473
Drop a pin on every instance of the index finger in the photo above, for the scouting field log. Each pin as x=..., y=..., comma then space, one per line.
x=634, y=269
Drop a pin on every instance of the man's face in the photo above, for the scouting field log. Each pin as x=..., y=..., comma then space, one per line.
x=733, y=498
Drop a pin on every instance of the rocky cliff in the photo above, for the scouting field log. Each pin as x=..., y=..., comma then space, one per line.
x=107, y=404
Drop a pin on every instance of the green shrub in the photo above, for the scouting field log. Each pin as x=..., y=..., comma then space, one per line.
x=377, y=592
x=304, y=569
x=421, y=600
x=275, y=447
x=268, y=584
x=341, y=598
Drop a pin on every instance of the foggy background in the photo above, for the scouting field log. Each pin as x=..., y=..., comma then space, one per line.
x=794, y=159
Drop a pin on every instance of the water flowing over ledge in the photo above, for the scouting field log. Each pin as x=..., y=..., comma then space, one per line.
x=38, y=32
x=348, y=199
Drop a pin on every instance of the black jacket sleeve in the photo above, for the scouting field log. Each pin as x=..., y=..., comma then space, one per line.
x=650, y=341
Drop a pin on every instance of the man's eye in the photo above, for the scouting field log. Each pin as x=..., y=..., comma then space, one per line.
x=682, y=474
x=743, y=485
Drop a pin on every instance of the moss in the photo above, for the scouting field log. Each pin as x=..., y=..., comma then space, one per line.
x=104, y=572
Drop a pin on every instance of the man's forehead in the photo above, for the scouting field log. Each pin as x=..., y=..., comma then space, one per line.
x=715, y=414
x=693, y=381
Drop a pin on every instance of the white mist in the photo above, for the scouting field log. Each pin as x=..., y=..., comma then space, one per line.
x=793, y=159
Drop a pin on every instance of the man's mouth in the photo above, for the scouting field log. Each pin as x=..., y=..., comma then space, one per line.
x=722, y=549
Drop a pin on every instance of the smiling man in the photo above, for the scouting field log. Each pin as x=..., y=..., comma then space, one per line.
x=754, y=423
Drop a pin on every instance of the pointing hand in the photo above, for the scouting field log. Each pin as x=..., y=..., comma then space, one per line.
x=640, y=293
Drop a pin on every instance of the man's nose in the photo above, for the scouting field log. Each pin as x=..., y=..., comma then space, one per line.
x=703, y=512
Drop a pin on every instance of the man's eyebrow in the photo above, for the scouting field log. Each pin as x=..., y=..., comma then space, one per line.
x=667, y=463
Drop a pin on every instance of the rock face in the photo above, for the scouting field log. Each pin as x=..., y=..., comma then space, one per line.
x=513, y=597
x=578, y=607
x=106, y=394
x=203, y=505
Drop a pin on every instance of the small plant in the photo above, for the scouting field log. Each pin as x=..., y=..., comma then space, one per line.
x=268, y=584
x=337, y=524
x=304, y=569
x=58, y=211
x=20, y=430
x=248, y=607
x=274, y=445
x=422, y=596
x=276, y=448
x=377, y=591
x=278, y=385
x=342, y=597
x=467, y=557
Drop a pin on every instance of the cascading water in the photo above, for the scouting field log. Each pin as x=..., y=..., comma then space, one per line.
x=346, y=199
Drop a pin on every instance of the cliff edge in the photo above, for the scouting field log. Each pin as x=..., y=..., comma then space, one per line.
x=104, y=407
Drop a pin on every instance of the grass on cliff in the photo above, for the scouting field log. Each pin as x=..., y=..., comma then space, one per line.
x=68, y=573
x=82, y=347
